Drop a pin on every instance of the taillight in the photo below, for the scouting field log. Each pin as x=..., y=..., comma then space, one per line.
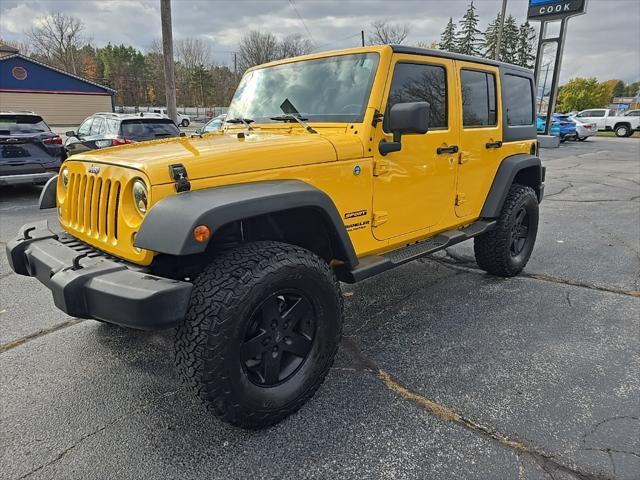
x=121, y=141
x=53, y=141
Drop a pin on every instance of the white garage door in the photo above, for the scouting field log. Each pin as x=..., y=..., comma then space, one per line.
x=56, y=108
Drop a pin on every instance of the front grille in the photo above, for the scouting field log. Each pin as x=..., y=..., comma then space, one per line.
x=93, y=206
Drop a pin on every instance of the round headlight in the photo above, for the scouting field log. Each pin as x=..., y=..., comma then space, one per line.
x=65, y=177
x=140, y=196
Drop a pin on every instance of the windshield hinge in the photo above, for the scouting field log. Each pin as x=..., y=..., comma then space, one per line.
x=377, y=118
x=179, y=175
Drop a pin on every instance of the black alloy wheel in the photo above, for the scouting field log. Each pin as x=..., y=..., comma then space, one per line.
x=279, y=338
x=519, y=232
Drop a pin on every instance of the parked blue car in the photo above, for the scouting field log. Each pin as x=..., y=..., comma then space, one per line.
x=567, y=126
x=555, y=126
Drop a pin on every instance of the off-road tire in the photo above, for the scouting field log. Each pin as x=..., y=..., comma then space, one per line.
x=623, y=131
x=208, y=342
x=493, y=249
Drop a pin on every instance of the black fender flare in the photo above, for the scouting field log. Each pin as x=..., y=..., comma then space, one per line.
x=504, y=178
x=168, y=226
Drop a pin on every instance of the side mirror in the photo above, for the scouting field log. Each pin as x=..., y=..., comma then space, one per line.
x=405, y=118
x=70, y=133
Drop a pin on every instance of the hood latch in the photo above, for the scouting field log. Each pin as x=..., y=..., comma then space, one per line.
x=179, y=175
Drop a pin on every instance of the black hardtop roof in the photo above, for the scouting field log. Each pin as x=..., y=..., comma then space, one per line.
x=457, y=56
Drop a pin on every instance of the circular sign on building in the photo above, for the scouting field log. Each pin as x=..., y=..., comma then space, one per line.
x=19, y=73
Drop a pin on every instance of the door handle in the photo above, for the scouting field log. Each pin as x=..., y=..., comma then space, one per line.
x=497, y=144
x=451, y=149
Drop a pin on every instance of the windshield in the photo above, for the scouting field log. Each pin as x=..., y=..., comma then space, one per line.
x=148, y=129
x=334, y=89
x=15, y=124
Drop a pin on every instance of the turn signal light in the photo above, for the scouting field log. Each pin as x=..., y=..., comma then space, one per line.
x=201, y=233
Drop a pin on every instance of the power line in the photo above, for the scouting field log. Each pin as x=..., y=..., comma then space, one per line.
x=302, y=20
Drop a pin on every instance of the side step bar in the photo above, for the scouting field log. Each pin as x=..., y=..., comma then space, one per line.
x=375, y=264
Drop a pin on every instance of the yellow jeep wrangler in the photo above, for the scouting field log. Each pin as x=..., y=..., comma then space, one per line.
x=331, y=167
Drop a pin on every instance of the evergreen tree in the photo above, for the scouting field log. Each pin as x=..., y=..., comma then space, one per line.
x=525, y=55
x=467, y=40
x=448, y=37
x=490, y=41
x=510, y=34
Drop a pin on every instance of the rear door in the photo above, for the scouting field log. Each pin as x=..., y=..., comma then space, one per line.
x=480, y=135
x=413, y=188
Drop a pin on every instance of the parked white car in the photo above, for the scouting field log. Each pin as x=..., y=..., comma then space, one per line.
x=183, y=120
x=584, y=129
x=605, y=119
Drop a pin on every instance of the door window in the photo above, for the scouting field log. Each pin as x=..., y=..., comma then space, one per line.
x=478, y=98
x=85, y=128
x=414, y=82
x=597, y=113
x=98, y=126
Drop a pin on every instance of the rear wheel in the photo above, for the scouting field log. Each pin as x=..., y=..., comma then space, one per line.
x=623, y=131
x=185, y=123
x=261, y=332
x=506, y=249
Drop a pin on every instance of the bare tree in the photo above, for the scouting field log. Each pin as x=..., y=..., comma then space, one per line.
x=23, y=47
x=57, y=39
x=387, y=33
x=193, y=52
x=256, y=48
x=294, y=45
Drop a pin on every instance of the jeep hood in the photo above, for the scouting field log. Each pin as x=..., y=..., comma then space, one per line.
x=225, y=154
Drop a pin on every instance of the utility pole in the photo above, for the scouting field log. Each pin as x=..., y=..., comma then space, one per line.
x=167, y=52
x=235, y=66
x=362, y=33
x=500, y=29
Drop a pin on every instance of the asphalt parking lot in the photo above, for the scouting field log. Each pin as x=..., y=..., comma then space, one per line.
x=445, y=372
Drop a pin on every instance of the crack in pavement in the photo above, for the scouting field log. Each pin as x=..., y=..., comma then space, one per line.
x=539, y=276
x=547, y=462
x=68, y=449
x=5, y=347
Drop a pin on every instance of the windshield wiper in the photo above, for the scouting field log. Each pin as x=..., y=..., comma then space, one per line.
x=245, y=121
x=288, y=117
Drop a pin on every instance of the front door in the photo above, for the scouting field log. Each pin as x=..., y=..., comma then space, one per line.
x=413, y=188
x=480, y=137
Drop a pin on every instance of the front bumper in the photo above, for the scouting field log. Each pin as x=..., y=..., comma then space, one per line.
x=87, y=283
x=26, y=178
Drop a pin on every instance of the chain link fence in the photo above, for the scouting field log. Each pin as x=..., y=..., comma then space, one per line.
x=197, y=114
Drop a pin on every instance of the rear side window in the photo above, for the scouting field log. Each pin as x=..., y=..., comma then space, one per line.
x=413, y=82
x=597, y=113
x=14, y=124
x=478, y=98
x=517, y=99
x=149, y=129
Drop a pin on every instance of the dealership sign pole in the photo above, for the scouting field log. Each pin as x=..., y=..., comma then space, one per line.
x=547, y=12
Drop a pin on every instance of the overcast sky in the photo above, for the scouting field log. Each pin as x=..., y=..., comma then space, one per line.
x=604, y=43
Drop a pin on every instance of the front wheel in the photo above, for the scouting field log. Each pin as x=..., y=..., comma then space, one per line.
x=261, y=332
x=505, y=250
x=185, y=123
